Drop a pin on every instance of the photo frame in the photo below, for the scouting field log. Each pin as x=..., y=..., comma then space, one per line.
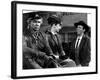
x=21, y=10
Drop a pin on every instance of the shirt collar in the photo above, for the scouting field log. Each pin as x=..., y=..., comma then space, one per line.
x=80, y=37
x=53, y=33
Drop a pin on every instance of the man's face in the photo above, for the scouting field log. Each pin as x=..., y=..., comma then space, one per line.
x=57, y=27
x=80, y=29
x=35, y=24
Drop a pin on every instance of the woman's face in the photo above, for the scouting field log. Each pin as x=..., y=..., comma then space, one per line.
x=35, y=24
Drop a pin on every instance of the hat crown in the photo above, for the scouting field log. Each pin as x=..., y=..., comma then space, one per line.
x=54, y=19
x=86, y=27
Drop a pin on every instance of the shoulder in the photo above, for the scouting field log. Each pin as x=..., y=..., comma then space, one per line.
x=86, y=37
x=48, y=33
x=59, y=35
x=24, y=41
x=26, y=38
x=43, y=34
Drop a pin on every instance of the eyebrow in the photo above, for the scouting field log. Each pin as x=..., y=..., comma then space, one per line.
x=36, y=21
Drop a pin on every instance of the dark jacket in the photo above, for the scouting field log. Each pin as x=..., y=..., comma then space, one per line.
x=83, y=53
x=55, y=45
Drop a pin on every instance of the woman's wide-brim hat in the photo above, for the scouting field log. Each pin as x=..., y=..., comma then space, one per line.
x=54, y=19
x=86, y=27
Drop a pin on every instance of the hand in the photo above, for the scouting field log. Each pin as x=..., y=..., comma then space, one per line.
x=56, y=56
x=63, y=53
x=63, y=57
x=52, y=56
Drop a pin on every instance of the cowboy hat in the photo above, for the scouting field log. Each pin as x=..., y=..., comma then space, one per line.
x=86, y=27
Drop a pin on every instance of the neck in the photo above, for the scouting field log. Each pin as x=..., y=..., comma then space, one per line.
x=32, y=30
x=81, y=34
x=53, y=31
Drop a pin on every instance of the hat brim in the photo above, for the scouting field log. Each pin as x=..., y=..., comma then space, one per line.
x=86, y=27
x=53, y=20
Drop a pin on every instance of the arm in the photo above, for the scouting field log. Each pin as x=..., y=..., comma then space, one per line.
x=30, y=51
x=60, y=50
x=87, y=53
x=28, y=62
x=48, y=48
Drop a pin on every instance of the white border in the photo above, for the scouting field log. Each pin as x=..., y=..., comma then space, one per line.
x=35, y=72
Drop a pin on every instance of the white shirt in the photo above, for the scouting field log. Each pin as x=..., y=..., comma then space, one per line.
x=80, y=38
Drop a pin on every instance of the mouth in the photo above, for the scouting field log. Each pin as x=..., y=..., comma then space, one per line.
x=36, y=28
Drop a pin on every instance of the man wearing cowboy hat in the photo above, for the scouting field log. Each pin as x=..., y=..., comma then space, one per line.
x=80, y=49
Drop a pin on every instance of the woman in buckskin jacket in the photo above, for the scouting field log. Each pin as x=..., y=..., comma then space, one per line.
x=36, y=50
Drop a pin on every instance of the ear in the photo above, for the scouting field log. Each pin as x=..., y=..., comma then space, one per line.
x=41, y=21
x=84, y=30
x=53, y=25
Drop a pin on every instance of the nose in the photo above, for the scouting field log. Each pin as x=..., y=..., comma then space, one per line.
x=78, y=29
x=59, y=27
x=37, y=24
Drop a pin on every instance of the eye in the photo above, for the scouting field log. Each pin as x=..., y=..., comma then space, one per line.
x=38, y=22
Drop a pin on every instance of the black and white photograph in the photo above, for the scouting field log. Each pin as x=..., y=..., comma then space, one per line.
x=48, y=37
x=53, y=39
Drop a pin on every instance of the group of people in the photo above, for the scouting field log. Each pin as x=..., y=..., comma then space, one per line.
x=44, y=49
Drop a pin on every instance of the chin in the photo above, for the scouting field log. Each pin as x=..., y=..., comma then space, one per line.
x=36, y=28
x=57, y=30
